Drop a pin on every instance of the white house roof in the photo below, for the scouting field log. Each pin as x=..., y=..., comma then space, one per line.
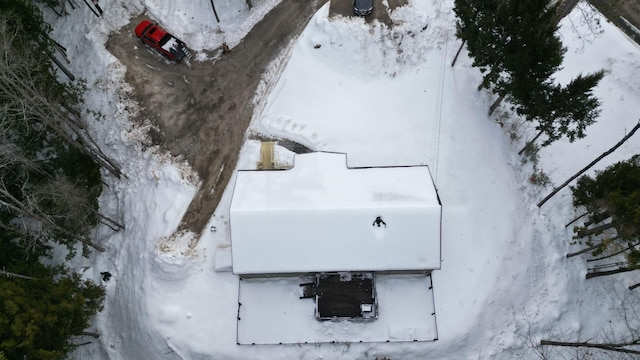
x=319, y=215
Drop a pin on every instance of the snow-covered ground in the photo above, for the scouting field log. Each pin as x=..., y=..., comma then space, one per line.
x=384, y=97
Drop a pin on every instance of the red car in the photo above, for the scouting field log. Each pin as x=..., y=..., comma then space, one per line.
x=162, y=41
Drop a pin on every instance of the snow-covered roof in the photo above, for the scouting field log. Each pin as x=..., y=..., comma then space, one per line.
x=319, y=217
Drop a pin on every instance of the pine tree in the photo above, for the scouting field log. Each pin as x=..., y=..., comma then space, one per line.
x=615, y=192
x=533, y=48
x=510, y=39
x=478, y=25
x=37, y=316
x=574, y=107
x=560, y=111
x=534, y=53
x=516, y=46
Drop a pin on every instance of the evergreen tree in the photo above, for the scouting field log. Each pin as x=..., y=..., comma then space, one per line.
x=573, y=108
x=559, y=110
x=38, y=315
x=533, y=49
x=516, y=46
x=616, y=190
x=478, y=25
x=616, y=193
x=510, y=39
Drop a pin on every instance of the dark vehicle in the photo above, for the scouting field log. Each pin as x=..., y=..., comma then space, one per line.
x=163, y=42
x=362, y=7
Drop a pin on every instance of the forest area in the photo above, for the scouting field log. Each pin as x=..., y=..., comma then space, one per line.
x=50, y=178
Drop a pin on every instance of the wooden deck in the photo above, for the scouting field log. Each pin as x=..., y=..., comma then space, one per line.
x=350, y=296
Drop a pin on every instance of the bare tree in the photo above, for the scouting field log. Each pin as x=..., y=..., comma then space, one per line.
x=23, y=89
x=41, y=223
x=620, y=269
x=615, y=347
x=576, y=218
x=625, y=342
x=38, y=119
x=69, y=203
x=455, y=58
x=583, y=170
x=524, y=330
x=587, y=26
x=9, y=274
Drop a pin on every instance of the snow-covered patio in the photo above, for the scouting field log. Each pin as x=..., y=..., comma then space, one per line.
x=271, y=312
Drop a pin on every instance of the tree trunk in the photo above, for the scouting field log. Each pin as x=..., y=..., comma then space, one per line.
x=576, y=219
x=114, y=225
x=61, y=50
x=62, y=67
x=45, y=48
x=54, y=10
x=609, y=347
x=92, y=9
x=615, y=253
x=458, y=53
x=531, y=142
x=97, y=6
x=584, y=250
x=10, y=274
x=608, y=272
x=596, y=230
x=597, y=218
x=495, y=104
x=555, y=191
x=634, y=286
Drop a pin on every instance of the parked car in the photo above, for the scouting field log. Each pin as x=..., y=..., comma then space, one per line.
x=362, y=7
x=162, y=41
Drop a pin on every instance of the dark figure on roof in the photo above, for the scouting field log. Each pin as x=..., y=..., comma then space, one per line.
x=379, y=221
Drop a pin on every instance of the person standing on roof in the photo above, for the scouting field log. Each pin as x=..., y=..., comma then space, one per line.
x=379, y=221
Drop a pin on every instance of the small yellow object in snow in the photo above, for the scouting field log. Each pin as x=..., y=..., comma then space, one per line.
x=267, y=162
